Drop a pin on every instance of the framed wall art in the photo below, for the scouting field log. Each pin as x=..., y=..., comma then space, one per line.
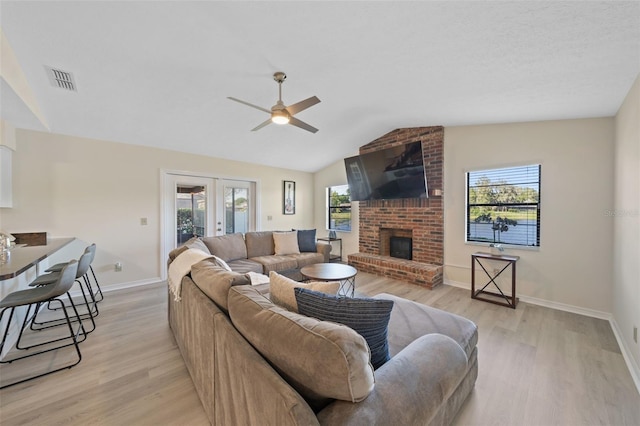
x=289, y=197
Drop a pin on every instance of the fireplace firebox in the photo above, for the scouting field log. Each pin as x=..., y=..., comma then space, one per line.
x=401, y=247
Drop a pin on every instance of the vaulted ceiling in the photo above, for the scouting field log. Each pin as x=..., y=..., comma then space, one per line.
x=158, y=73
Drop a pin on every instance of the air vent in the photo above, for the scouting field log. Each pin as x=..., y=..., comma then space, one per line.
x=61, y=79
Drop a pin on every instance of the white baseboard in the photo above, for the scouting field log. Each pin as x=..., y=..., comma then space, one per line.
x=626, y=353
x=131, y=284
x=456, y=284
x=567, y=308
x=121, y=286
x=546, y=303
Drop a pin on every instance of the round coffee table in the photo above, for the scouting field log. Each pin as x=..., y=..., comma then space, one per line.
x=344, y=274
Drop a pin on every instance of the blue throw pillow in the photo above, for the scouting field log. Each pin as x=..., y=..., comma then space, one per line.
x=307, y=240
x=368, y=317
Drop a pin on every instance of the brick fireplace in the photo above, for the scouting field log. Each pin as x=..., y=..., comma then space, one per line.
x=386, y=234
x=420, y=219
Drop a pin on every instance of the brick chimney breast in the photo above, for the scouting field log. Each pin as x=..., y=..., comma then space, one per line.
x=421, y=219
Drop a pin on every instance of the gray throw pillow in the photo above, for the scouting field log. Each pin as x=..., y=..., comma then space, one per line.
x=307, y=239
x=368, y=317
x=197, y=243
x=227, y=247
x=281, y=289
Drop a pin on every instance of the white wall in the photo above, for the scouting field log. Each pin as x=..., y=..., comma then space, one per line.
x=626, y=224
x=334, y=175
x=98, y=191
x=574, y=262
x=16, y=90
x=7, y=146
x=573, y=267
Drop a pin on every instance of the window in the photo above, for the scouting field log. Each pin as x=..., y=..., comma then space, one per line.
x=191, y=212
x=503, y=206
x=339, y=202
x=236, y=209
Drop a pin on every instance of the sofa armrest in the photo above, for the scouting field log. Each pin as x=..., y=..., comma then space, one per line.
x=324, y=249
x=175, y=252
x=409, y=388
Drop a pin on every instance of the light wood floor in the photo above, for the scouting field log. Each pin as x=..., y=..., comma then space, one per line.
x=537, y=366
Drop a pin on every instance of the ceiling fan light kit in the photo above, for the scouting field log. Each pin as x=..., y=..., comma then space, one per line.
x=281, y=114
x=280, y=117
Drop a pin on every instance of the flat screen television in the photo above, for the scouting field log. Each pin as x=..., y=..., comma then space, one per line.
x=391, y=173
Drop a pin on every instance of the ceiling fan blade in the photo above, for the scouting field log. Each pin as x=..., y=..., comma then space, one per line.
x=294, y=121
x=261, y=125
x=302, y=105
x=248, y=104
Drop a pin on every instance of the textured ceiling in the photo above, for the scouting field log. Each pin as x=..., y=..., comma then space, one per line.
x=158, y=73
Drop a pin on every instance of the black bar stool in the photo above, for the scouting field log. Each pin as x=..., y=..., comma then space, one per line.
x=92, y=250
x=81, y=276
x=39, y=295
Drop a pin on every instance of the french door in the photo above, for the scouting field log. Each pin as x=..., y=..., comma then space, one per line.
x=204, y=206
x=236, y=211
x=189, y=206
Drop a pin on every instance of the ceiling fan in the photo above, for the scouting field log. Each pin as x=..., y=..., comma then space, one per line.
x=281, y=114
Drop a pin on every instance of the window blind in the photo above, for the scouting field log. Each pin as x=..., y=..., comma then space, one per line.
x=503, y=205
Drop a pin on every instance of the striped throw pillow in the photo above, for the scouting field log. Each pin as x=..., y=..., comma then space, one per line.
x=368, y=317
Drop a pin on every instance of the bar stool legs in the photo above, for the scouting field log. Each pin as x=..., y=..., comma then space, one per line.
x=37, y=296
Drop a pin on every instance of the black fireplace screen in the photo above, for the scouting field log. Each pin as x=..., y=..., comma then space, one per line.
x=400, y=247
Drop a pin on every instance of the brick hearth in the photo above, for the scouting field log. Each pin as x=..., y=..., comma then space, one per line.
x=420, y=218
x=423, y=274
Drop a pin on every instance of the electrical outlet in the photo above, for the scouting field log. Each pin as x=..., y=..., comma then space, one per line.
x=118, y=267
x=635, y=334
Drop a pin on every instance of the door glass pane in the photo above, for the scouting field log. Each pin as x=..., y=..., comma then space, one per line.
x=236, y=209
x=191, y=212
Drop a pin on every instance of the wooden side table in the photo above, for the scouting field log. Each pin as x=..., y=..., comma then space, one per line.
x=491, y=296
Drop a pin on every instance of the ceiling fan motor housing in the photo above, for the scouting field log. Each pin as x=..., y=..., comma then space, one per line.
x=279, y=76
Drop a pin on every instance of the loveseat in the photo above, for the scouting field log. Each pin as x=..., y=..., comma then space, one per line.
x=255, y=363
x=264, y=251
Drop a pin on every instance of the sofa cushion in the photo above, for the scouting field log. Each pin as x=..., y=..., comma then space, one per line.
x=286, y=243
x=221, y=263
x=259, y=243
x=410, y=320
x=215, y=281
x=244, y=266
x=369, y=317
x=281, y=290
x=320, y=359
x=424, y=384
x=227, y=247
x=197, y=243
x=275, y=263
x=304, y=259
x=306, y=240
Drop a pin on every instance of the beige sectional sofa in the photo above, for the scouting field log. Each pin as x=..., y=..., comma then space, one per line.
x=255, y=363
x=257, y=252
